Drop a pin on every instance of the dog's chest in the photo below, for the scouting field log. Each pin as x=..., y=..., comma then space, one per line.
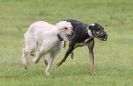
x=80, y=44
x=57, y=46
x=85, y=42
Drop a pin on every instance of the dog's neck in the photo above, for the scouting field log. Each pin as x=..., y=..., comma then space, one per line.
x=89, y=32
x=90, y=35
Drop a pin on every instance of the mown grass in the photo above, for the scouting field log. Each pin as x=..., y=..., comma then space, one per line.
x=113, y=58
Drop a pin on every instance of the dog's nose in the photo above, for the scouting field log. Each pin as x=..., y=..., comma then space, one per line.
x=105, y=37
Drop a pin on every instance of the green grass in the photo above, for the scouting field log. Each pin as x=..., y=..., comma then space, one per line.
x=113, y=59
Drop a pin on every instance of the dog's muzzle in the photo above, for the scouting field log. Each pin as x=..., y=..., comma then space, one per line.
x=103, y=37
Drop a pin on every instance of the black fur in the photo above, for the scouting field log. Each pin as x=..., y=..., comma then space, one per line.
x=80, y=31
x=80, y=35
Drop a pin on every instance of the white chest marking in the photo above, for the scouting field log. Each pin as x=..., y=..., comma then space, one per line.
x=89, y=32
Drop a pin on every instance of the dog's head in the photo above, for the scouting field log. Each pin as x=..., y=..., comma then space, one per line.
x=98, y=31
x=65, y=26
x=65, y=29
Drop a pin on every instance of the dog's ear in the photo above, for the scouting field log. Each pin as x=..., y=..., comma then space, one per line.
x=91, y=26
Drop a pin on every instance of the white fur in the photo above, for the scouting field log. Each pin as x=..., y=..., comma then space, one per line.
x=89, y=32
x=92, y=24
x=41, y=38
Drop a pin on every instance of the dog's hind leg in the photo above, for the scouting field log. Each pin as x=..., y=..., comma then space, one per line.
x=29, y=47
x=25, y=53
x=24, y=58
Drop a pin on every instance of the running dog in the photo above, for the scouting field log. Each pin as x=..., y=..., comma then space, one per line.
x=84, y=34
x=42, y=38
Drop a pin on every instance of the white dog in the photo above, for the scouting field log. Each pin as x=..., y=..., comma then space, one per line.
x=42, y=38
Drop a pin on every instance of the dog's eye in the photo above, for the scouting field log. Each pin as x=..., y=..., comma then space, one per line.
x=65, y=28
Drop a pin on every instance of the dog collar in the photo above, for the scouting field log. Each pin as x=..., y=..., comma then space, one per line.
x=59, y=37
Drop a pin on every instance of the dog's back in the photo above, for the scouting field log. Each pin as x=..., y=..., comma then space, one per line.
x=80, y=30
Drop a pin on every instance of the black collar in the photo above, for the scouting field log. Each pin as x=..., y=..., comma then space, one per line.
x=59, y=37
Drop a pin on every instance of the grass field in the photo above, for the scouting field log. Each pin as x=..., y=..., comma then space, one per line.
x=113, y=59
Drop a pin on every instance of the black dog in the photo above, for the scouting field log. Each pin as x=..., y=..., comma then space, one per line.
x=84, y=34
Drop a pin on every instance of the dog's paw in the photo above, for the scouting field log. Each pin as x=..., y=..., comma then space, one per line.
x=58, y=63
x=92, y=70
x=25, y=67
x=47, y=73
x=72, y=54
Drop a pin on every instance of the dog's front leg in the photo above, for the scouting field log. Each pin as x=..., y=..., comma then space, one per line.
x=65, y=57
x=71, y=48
x=49, y=64
x=72, y=54
x=91, y=55
x=39, y=53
